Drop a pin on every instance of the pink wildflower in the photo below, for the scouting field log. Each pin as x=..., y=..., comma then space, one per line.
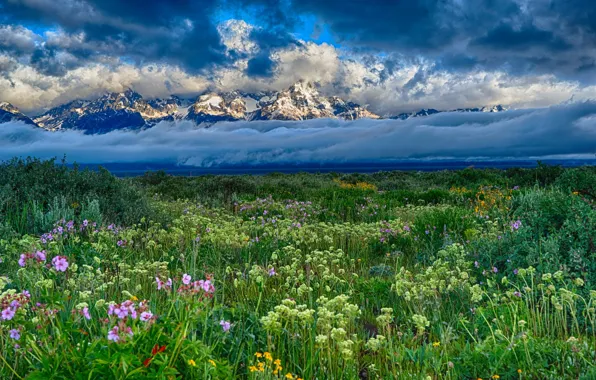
x=146, y=316
x=8, y=314
x=85, y=313
x=113, y=334
x=60, y=263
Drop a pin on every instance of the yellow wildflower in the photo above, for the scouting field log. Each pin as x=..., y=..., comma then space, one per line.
x=436, y=344
x=212, y=363
x=289, y=376
x=519, y=371
x=258, y=355
x=268, y=356
x=277, y=362
x=134, y=298
x=252, y=368
x=192, y=363
x=496, y=377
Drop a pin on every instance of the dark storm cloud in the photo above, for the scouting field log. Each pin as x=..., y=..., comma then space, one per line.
x=517, y=36
x=263, y=65
x=504, y=37
x=567, y=130
x=172, y=31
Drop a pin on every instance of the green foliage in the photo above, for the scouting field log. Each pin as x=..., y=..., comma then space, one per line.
x=446, y=275
x=33, y=192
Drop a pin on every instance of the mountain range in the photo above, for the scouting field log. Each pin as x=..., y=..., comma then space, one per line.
x=129, y=110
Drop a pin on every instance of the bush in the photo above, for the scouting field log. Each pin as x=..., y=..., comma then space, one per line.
x=36, y=193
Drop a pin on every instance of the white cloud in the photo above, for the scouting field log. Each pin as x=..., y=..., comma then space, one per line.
x=566, y=130
x=32, y=91
x=18, y=38
x=235, y=35
x=412, y=85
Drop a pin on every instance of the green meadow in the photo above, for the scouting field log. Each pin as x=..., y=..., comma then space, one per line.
x=470, y=274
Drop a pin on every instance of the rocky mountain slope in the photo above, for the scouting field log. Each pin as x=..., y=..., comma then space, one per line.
x=431, y=111
x=8, y=112
x=129, y=110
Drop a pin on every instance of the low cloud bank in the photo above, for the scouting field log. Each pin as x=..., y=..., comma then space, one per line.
x=560, y=131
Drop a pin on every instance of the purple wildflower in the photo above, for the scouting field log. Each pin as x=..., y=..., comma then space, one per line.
x=225, y=325
x=85, y=313
x=41, y=255
x=186, y=279
x=15, y=334
x=22, y=260
x=8, y=314
x=271, y=272
x=113, y=334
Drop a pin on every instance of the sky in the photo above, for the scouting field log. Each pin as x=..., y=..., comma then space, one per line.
x=394, y=56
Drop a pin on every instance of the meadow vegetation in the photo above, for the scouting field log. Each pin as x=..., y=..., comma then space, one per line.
x=472, y=274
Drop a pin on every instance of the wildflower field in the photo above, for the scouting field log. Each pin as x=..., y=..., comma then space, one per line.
x=472, y=274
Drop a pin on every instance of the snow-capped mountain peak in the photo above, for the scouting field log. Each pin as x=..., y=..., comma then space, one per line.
x=129, y=110
x=8, y=112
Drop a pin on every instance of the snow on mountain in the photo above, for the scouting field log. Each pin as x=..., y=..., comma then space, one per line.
x=8, y=112
x=128, y=109
x=302, y=101
x=431, y=111
x=123, y=110
x=213, y=107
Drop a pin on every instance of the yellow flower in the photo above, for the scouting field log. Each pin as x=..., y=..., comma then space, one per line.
x=268, y=356
x=496, y=377
x=436, y=344
x=277, y=362
x=519, y=371
x=289, y=376
x=212, y=363
x=134, y=298
x=258, y=355
x=252, y=368
x=192, y=363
